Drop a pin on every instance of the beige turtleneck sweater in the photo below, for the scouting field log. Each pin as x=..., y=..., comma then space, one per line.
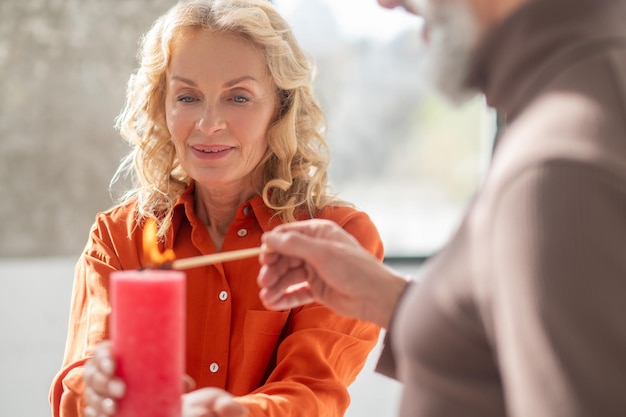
x=523, y=312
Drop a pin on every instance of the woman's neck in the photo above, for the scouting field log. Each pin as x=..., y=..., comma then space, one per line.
x=217, y=210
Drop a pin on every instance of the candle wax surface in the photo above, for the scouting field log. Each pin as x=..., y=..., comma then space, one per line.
x=147, y=333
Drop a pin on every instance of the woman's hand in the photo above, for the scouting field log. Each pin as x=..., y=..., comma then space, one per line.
x=102, y=388
x=317, y=260
x=212, y=402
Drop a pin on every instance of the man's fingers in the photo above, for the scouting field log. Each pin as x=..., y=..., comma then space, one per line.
x=272, y=273
x=294, y=296
x=279, y=277
x=318, y=229
x=295, y=245
x=268, y=258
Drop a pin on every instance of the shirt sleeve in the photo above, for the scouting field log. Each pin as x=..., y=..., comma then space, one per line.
x=321, y=352
x=559, y=279
x=88, y=321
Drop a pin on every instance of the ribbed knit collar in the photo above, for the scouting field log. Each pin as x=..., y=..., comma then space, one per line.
x=522, y=54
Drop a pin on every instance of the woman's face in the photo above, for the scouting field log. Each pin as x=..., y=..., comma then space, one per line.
x=220, y=100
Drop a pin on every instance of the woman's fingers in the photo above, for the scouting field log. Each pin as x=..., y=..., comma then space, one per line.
x=212, y=402
x=99, y=373
x=189, y=384
x=102, y=388
x=103, y=358
x=98, y=405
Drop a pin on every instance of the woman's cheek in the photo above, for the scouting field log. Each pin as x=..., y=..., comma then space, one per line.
x=178, y=125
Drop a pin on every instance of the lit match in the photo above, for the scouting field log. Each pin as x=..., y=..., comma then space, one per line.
x=215, y=258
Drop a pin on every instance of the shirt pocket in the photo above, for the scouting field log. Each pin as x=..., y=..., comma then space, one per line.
x=262, y=330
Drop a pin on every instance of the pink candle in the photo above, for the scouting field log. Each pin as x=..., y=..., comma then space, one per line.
x=148, y=337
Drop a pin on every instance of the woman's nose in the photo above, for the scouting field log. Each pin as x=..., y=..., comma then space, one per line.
x=211, y=120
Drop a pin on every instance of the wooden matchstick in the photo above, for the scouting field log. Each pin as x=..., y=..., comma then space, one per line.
x=215, y=258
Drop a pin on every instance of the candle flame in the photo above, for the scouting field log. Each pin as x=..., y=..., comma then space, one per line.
x=151, y=247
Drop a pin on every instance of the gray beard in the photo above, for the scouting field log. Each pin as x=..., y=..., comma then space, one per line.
x=453, y=36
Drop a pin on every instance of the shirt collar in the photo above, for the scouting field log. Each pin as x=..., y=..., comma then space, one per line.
x=184, y=209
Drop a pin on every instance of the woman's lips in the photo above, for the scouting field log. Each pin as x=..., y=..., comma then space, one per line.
x=211, y=152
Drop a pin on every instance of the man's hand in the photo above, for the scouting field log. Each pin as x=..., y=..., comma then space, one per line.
x=316, y=260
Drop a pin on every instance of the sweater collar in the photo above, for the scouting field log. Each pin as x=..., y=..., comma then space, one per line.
x=522, y=54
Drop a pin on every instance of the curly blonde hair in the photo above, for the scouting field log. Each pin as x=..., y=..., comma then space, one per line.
x=295, y=165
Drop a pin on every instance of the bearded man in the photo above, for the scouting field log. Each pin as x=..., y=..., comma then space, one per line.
x=522, y=312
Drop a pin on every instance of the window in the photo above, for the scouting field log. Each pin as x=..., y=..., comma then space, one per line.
x=399, y=151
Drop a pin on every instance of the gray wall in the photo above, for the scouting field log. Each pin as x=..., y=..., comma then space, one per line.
x=63, y=70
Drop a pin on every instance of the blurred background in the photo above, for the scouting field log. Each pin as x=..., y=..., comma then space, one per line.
x=400, y=152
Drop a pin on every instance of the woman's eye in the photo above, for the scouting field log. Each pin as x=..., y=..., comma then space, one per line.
x=240, y=99
x=186, y=99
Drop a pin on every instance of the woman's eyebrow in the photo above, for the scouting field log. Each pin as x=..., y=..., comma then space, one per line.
x=230, y=83
x=240, y=79
x=183, y=80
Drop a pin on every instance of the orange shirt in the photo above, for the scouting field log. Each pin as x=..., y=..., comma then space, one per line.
x=277, y=363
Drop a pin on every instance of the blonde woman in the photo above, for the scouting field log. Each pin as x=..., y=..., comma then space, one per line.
x=227, y=143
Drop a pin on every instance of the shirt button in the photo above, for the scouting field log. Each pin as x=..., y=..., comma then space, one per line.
x=214, y=367
x=223, y=295
x=246, y=210
x=242, y=232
